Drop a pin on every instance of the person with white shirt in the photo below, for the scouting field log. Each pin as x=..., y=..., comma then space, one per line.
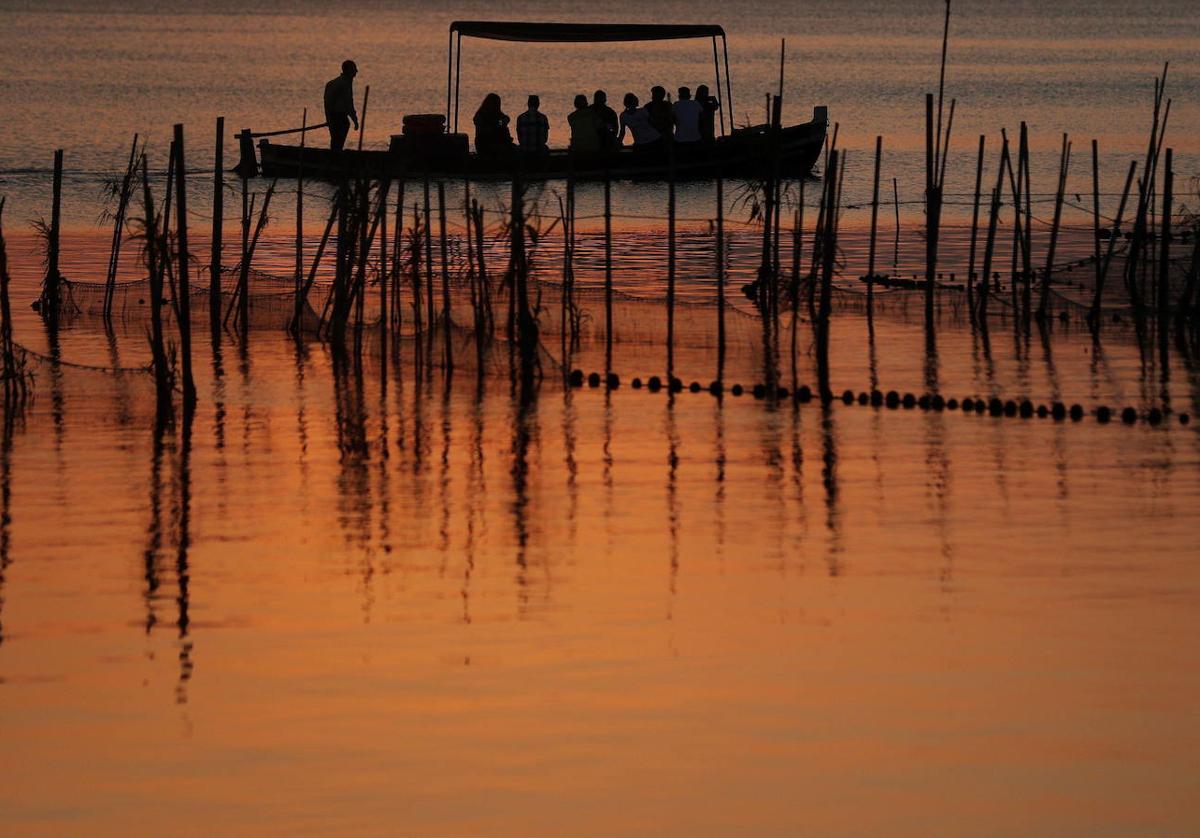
x=687, y=117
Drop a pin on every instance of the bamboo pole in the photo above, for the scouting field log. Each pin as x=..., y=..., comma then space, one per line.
x=51, y=293
x=1094, y=313
x=218, y=220
x=989, y=247
x=828, y=247
x=415, y=268
x=298, y=302
x=874, y=222
x=1164, y=264
x=1096, y=209
x=118, y=230
x=429, y=313
x=975, y=228
x=608, y=285
x=14, y=381
x=671, y=263
x=183, y=293
x=1064, y=165
x=446, y=321
x=162, y=382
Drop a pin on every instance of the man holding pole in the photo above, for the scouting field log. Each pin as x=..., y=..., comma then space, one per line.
x=339, y=105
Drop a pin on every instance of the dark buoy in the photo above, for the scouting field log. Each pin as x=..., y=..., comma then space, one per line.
x=594, y=380
x=804, y=394
x=848, y=397
x=1042, y=411
x=995, y=407
x=909, y=401
x=980, y=407
x=938, y=403
x=613, y=381
x=636, y=383
x=714, y=387
x=1010, y=408
x=1026, y=409
x=694, y=387
x=781, y=392
x=876, y=398
x=1129, y=416
x=576, y=378
x=760, y=391
x=1184, y=418
x=655, y=384
x=1103, y=414
x=736, y=389
x=1155, y=416
x=864, y=399
x=892, y=399
x=923, y=401
x=1059, y=411
x=1076, y=412
x=968, y=404
x=951, y=404
x=826, y=397
x=676, y=385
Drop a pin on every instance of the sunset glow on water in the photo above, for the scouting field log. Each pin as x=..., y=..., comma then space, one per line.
x=357, y=592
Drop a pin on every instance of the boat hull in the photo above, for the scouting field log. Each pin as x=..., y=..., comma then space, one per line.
x=747, y=152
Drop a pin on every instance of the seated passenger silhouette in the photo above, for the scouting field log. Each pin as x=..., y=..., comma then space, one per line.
x=636, y=121
x=661, y=115
x=609, y=126
x=339, y=106
x=687, y=117
x=533, y=129
x=585, y=127
x=491, y=127
x=709, y=105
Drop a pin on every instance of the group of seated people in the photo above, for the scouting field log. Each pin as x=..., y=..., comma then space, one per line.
x=595, y=127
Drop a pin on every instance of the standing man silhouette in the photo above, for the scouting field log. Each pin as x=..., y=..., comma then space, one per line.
x=339, y=105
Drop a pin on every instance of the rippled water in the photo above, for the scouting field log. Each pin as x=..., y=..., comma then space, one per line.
x=359, y=595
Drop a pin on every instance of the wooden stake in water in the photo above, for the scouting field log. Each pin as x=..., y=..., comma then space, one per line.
x=874, y=222
x=1164, y=234
x=720, y=278
x=154, y=257
x=1097, y=299
x=1064, y=165
x=183, y=293
x=989, y=247
x=975, y=229
x=218, y=220
x=608, y=286
x=51, y=293
x=670, y=263
x=446, y=323
x=298, y=302
x=114, y=259
x=429, y=312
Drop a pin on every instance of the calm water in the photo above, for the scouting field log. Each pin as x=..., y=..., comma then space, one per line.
x=356, y=598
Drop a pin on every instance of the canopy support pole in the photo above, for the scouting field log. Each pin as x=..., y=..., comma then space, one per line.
x=457, y=80
x=717, y=70
x=449, y=73
x=728, y=87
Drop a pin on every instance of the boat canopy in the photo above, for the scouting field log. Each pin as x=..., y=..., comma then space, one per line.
x=577, y=33
x=582, y=33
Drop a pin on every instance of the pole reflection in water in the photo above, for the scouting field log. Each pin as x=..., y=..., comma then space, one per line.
x=6, y=448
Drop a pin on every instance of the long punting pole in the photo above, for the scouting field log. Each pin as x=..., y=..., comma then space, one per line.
x=457, y=80
x=1096, y=209
x=362, y=122
x=218, y=219
x=728, y=86
x=183, y=294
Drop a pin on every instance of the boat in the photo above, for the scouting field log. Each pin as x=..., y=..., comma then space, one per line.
x=431, y=145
